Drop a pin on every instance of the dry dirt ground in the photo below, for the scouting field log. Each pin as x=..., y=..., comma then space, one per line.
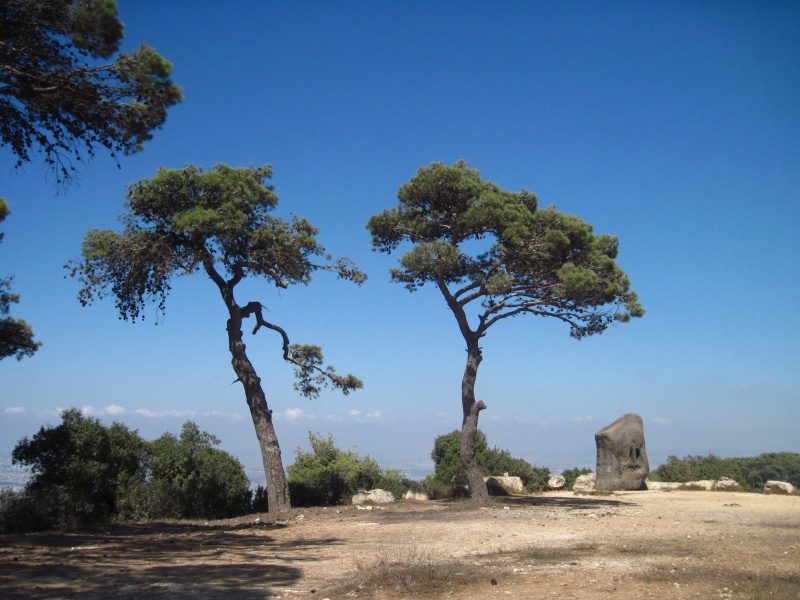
x=627, y=545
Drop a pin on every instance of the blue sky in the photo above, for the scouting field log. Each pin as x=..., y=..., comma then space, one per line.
x=674, y=125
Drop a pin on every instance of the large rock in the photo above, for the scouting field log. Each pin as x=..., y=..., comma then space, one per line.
x=778, y=487
x=584, y=483
x=726, y=484
x=621, y=455
x=557, y=482
x=377, y=496
x=502, y=486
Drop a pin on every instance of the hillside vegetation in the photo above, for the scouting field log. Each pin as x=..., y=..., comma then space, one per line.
x=751, y=472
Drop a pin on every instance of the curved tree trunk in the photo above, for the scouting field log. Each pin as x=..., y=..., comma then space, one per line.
x=277, y=487
x=469, y=425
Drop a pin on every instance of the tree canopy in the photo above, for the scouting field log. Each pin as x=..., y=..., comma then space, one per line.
x=61, y=91
x=16, y=335
x=218, y=222
x=493, y=254
x=84, y=472
x=540, y=262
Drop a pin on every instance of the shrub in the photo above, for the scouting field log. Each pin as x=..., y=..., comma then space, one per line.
x=191, y=479
x=83, y=472
x=695, y=468
x=780, y=466
x=328, y=476
x=396, y=482
x=20, y=513
x=436, y=489
x=78, y=468
x=446, y=457
x=260, y=502
x=751, y=472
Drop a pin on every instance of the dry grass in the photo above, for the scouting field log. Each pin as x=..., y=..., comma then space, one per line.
x=414, y=571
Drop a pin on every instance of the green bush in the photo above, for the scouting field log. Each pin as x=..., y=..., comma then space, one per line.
x=327, y=475
x=79, y=467
x=20, y=513
x=190, y=479
x=695, y=468
x=435, y=488
x=751, y=472
x=446, y=457
x=396, y=482
x=778, y=466
x=83, y=472
x=260, y=502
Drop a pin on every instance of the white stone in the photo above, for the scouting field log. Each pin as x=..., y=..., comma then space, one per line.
x=726, y=484
x=584, y=483
x=557, y=482
x=510, y=484
x=376, y=496
x=778, y=487
x=663, y=486
x=702, y=485
x=416, y=496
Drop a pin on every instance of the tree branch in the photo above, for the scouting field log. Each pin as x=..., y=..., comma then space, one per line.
x=307, y=359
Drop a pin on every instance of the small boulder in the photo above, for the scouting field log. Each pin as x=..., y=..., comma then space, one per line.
x=701, y=485
x=460, y=486
x=584, y=483
x=376, y=496
x=503, y=486
x=778, y=487
x=662, y=486
x=726, y=484
x=416, y=496
x=557, y=482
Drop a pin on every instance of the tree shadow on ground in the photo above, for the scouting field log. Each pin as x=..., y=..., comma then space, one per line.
x=587, y=502
x=154, y=560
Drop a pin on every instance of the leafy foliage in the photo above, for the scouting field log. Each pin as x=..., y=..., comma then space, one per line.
x=540, y=262
x=218, y=222
x=695, y=468
x=492, y=461
x=78, y=468
x=751, y=472
x=16, y=336
x=778, y=466
x=191, y=479
x=62, y=94
x=19, y=513
x=328, y=476
x=84, y=472
x=187, y=220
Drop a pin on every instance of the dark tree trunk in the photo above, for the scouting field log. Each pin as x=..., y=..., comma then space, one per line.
x=277, y=487
x=472, y=409
x=469, y=426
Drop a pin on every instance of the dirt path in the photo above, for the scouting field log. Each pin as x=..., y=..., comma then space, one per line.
x=627, y=545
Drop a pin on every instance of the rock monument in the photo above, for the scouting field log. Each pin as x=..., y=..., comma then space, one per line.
x=621, y=455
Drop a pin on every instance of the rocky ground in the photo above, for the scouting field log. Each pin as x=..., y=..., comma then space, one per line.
x=627, y=545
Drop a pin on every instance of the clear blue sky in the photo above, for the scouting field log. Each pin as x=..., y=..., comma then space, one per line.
x=675, y=125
